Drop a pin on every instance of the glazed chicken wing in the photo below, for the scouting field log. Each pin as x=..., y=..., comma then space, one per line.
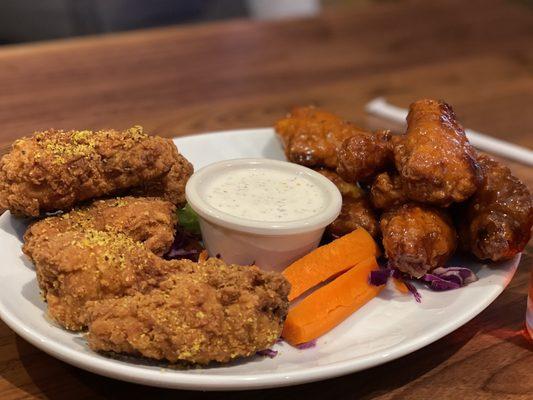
x=312, y=137
x=215, y=312
x=356, y=211
x=498, y=219
x=364, y=155
x=147, y=220
x=387, y=191
x=435, y=161
x=54, y=170
x=417, y=238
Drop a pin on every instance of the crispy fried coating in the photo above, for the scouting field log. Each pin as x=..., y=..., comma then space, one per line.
x=387, y=191
x=312, y=137
x=364, y=155
x=54, y=170
x=170, y=186
x=436, y=162
x=417, y=238
x=216, y=312
x=356, y=211
x=498, y=218
x=147, y=220
x=82, y=264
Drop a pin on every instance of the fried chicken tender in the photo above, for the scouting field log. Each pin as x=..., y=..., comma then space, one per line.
x=82, y=264
x=54, y=170
x=312, y=137
x=417, y=238
x=387, y=191
x=364, y=155
x=170, y=186
x=356, y=211
x=147, y=220
x=215, y=312
x=497, y=223
x=435, y=161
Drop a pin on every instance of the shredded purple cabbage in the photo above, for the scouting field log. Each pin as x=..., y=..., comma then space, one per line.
x=185, y=245
x=448, y=278
x=307, y=345
x=380, y=276
x=268, y=353
x=414, y=292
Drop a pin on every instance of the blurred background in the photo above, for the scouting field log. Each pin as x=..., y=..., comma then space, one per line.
x=32, y=20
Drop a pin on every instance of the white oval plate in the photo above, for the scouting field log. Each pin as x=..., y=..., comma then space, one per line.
x=388, y=327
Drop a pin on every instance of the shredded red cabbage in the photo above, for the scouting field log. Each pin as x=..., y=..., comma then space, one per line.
x=440, y=279
x=448, y=278
x=186, y=245
x=267, y=353
x=414, y=292
x=307, y=345
x=380, y=276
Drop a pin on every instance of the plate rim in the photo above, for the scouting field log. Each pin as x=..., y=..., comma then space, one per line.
x=182, y=380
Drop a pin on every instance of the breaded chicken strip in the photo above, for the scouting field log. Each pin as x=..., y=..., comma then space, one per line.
x=497, y=223
x=356, y=211
x=147, y=220
x=215, y=312
x=54, y=170
x=435, y=161
x=387, y=191
x=80, y=264
x=364, y=155
x=312, y=137
x=170, y=186
x=417, y=238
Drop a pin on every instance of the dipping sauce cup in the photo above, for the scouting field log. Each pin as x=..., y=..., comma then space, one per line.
x=260, y=211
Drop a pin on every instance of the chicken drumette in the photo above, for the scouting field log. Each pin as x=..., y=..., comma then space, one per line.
x=356, y=211
x=365, y=154
x=435, y=161
x=312, y=137
x=498, y=218
x=417, y=238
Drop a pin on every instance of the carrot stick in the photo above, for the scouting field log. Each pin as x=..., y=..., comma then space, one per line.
x=329, y=260
x=328, y=306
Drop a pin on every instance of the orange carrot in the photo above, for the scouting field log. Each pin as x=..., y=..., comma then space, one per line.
x=329, y=260
x=328, y=306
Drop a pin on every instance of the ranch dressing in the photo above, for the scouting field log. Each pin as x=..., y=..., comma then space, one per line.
x=264, y=194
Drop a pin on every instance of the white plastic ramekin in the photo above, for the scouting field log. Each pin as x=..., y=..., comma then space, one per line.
x=269, y=245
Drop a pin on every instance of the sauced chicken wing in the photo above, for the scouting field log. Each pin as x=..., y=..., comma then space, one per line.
x=55, y=170
x=356, y=211
x=364, y=155
x=213, y=312
x=147, y=220
x=498, y=218
x=312, y=137
x=435, y=161
x=387, y=191
x=417, y=238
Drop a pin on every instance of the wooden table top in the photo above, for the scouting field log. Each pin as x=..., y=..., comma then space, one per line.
x=174, y=81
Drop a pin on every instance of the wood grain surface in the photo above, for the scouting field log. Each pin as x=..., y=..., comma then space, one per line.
x=477, y=55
